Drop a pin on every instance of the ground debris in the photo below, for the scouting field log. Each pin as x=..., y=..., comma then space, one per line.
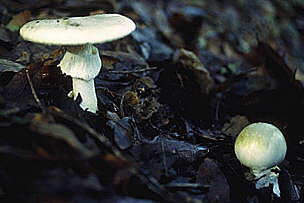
x=172, y=97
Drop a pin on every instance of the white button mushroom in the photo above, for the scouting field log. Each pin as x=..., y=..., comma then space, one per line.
x=261, y=147
x=81, y=60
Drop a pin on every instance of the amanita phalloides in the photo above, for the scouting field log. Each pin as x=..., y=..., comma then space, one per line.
x=261, y=147
x=78, y=34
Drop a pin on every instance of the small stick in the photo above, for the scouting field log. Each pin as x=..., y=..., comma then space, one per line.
x=10, y=111
x=132, y=71
x=33, y=90
x=187, y=185
x=164, y=158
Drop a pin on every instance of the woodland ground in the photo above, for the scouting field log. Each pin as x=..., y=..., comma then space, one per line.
x=172, y=97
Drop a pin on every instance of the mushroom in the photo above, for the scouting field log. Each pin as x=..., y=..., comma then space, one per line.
x=78, y=34
x=261, y=147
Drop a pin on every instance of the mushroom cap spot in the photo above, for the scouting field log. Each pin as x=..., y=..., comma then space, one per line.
x=78, y=30
x=260, y=146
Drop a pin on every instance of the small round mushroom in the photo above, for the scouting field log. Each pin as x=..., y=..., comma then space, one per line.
x=78, y=34
x=261, y=147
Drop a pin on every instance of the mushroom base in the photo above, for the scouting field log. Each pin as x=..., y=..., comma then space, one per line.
x=266, y=177
x=86, y=89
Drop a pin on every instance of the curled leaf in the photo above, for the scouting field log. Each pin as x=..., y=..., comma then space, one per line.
x=59, y=131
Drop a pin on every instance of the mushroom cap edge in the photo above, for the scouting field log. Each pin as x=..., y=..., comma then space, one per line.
x=78, y=30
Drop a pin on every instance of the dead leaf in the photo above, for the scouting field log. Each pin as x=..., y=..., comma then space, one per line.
x=236, y=124
x=147, y=81
x=194, y=70
x=173, y=150
x=117, y=56
x=130, y=98
x=41, y=125
x=4, y=36
x=7, y=65
x=210, y=174
x=18, y=20
x=146, y=108
x=24, y=57
x=124, y=132
x=273, y=64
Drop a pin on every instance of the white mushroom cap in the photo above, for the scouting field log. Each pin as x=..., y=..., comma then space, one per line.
x=78, y=30
x=260, y=146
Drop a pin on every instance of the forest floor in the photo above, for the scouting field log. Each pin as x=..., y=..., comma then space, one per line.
x=172, y=98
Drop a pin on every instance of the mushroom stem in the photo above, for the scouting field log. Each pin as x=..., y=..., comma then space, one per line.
x=267, y=177
x=86, y=89
x=83, y=64
x=261, y=147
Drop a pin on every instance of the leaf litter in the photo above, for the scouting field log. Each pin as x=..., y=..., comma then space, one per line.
x=172, y=96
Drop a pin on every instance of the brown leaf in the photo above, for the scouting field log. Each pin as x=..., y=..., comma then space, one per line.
x=236, y=124
x=41, y=125
x=112, y=168
x=194, y=71
x=147, y=108
x=147, y=81
x=163, y=25
x=124, y=131
x=273, y=64
x=116, y=162
x=117, y=56
x=18, y=20
x=210, y=174
x=130, y=98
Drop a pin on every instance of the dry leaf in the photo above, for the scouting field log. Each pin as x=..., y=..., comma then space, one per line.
x=18, y=20
x=210, y=174
x=194, y=70
x=236, y=124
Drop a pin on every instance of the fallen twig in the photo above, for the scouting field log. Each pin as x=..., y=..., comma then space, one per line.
x=33, y=90
x=132, y=71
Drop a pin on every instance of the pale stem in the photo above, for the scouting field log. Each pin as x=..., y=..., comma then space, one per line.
x=83, y=64
x=86, y=89
x=266, y=177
